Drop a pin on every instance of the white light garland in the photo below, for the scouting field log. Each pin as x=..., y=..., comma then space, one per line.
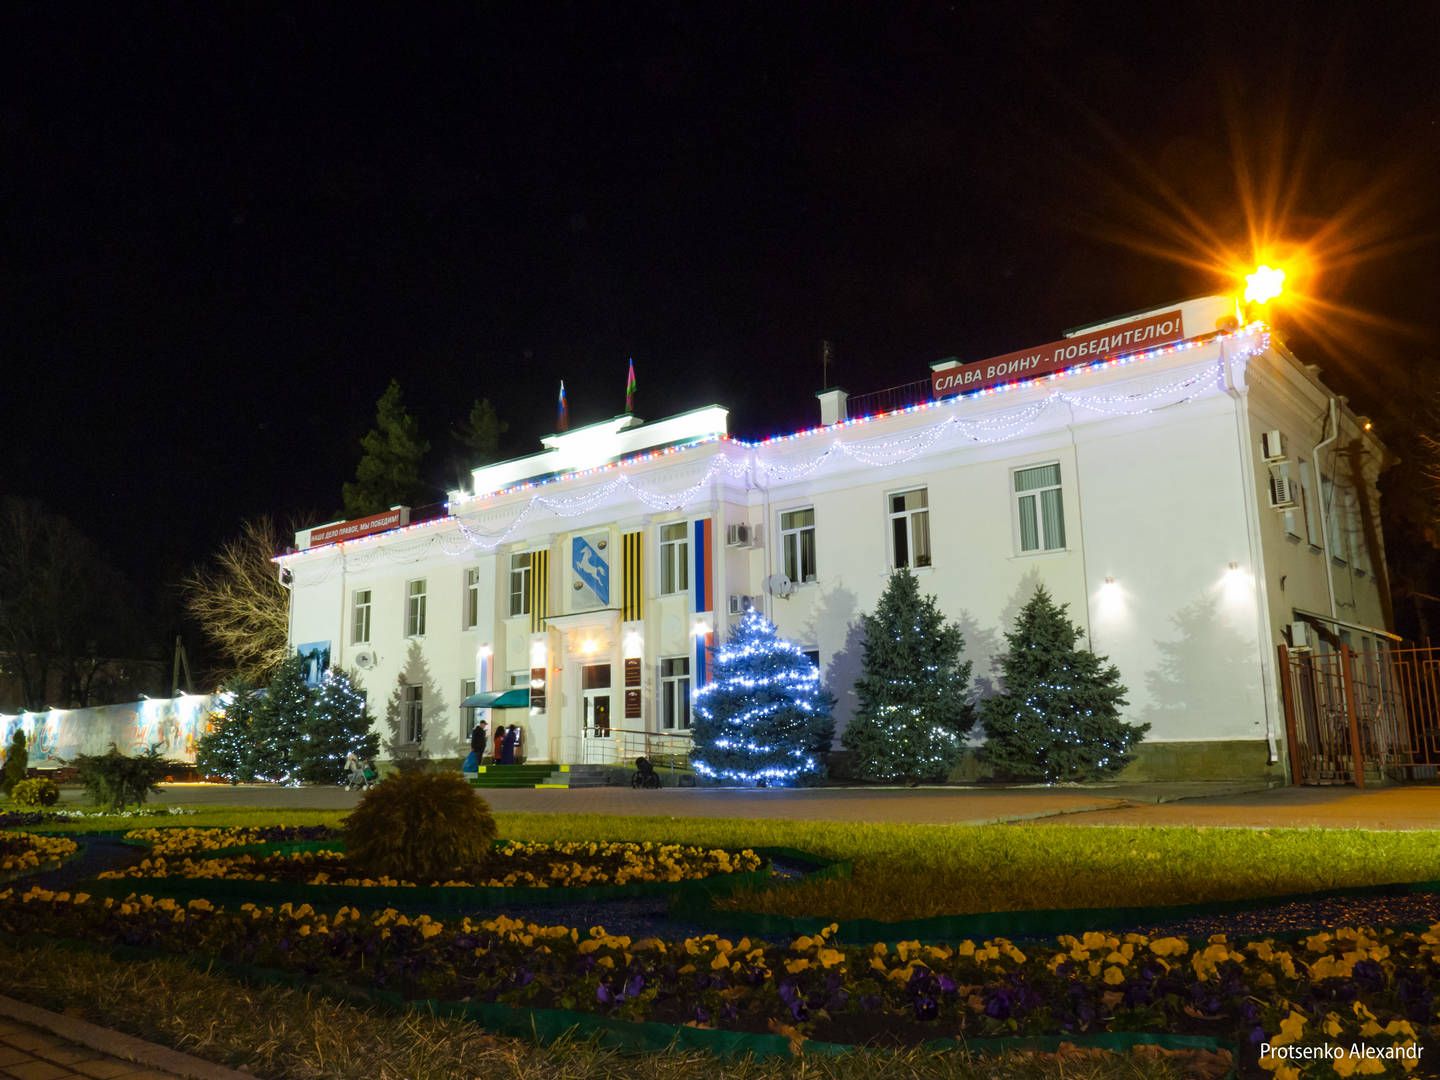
x=464, y=539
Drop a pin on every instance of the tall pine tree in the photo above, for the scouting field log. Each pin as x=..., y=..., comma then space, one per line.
x=336, y=725
x=278, y=726
x=763, y=718
x=914, y=697
x=391, y=452
x=1058, y=718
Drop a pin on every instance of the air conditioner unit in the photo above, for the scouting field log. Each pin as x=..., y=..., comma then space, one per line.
x=365, y=659
x=741, y=604
x=1272, y=446
x=1302, y=637
x=1282, y=487
x=738, y=535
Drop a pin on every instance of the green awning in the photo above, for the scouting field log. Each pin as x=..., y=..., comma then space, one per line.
x=517, y=698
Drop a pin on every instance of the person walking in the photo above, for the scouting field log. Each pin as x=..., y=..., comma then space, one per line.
x=477, y=745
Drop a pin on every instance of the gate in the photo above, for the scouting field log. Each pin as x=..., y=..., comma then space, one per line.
x=1349, y=713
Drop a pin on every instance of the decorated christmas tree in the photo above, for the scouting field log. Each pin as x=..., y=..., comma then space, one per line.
x=1058, y=718
x=764, y=718
x=225, y=749
x=914, y=696
x=278, y=725
x=336, y=725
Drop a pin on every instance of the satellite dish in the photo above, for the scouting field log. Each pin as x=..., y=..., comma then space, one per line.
x=780, y=585
x=365, y=659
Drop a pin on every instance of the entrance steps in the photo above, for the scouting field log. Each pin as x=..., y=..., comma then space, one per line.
x=541, y=776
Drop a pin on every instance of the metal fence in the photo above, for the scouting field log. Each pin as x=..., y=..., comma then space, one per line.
x=621, y=746
x=1350, y=714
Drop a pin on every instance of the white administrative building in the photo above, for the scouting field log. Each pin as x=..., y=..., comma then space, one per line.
x=1193, y=492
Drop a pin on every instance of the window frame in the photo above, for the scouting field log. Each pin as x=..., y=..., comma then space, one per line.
x=674, y=554
x=415, y=612
x=356, y=619
x=470, y=599
x=673, y=706
x=893, y=517
x=796, y=533
x=1017, y=498
x=412, y=705
x=467, y=713
x=525, y=568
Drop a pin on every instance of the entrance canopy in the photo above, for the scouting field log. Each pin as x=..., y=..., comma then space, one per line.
x=515, y=698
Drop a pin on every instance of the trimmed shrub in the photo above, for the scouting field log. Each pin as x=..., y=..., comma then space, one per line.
x=17, y=760
x=420, y=827
x=114, y=780
x=38, y=792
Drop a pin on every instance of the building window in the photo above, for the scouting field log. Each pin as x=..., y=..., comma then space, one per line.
x=813, y=655
x=1040, y=508
x=467, y=715
x=471, y=601
x=520, y=680
x=520, y=583
x=412, y=706
x=1308, y=504
x=674, y=557
x=360, y=620
x=675, y=693
x=1332, y=506
x=797, y=544
x=415, y=608
x=910, y=528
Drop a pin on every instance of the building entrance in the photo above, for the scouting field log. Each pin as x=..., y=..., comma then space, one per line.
x=595, y=698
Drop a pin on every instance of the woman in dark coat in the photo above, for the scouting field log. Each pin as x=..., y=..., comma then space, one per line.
x=507, y=748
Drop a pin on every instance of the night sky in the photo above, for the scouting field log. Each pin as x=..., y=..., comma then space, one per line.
x=223, y=228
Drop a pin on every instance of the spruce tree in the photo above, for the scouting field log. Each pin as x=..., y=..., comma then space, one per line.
x=279, y=724
x=336, y=725
x=478, y=438
x=914, y=696
x=227, y=748
x=391, y=453
x=1058, y=718
x=765, y=714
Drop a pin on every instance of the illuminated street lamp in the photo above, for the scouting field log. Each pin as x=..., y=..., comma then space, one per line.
x=1266, y=283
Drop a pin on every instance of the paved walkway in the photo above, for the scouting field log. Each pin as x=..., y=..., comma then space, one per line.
x=36, y=1044
x=1195, y=803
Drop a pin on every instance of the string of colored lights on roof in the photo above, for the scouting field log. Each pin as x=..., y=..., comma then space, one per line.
x=463, y=538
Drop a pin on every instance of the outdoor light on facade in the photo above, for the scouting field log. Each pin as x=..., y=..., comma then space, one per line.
x=1264, y=284
x=700, y=628
x=634, y=646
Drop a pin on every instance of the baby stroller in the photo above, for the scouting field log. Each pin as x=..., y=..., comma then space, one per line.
x=361, y=774
x=645, y=775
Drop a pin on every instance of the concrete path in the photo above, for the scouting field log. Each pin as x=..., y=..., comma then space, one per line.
x=36, y=1044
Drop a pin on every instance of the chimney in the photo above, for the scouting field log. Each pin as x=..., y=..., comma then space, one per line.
x=832, y=405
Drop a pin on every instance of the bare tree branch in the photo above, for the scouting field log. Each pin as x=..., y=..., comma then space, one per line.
x=240, y=604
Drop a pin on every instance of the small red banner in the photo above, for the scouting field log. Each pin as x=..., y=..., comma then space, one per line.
x=366, y=526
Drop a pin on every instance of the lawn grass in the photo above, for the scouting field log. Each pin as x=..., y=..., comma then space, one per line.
x=205, y=817
x=918, y=871
x=286, y=1034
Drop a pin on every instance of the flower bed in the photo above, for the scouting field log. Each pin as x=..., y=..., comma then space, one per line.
x=22, y=853
x=1362, y=987
x=199, y=854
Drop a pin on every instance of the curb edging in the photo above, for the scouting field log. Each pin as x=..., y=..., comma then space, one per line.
x=117, y=1044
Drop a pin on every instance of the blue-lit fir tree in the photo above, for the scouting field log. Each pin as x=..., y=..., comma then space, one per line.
x=278, y=726
x=336, y=725
x=1058, y=718
x=914, y=709
x=765, y=718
